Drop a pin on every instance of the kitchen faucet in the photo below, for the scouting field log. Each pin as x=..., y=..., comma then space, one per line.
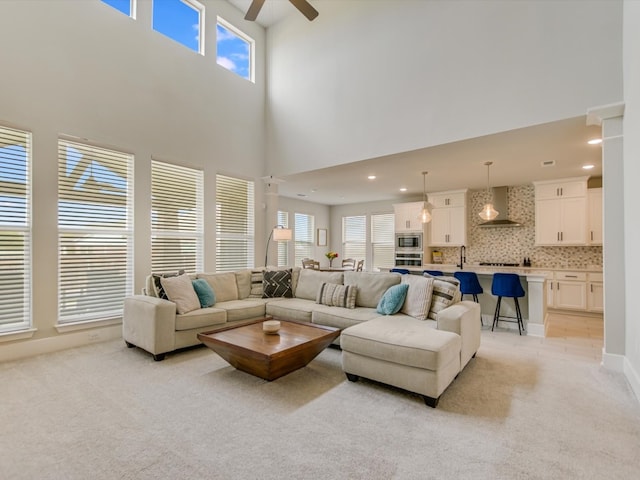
x=463, y=257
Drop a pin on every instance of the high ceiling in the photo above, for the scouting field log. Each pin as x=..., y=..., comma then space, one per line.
x=271, y=12
x=517, y=157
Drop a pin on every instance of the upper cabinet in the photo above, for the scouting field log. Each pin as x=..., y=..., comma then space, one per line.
x=448, y=218
x=594, y=197
x=561, y=211
x=407, y=217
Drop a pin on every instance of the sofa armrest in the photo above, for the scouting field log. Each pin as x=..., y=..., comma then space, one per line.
x=463, y=318
x=149, y=323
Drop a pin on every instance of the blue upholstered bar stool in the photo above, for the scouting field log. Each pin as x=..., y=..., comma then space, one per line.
x=403, y=271
x=433, y=273
x=469, y=284
x=507, y=285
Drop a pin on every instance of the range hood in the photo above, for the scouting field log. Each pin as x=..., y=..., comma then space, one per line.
x=500, y=204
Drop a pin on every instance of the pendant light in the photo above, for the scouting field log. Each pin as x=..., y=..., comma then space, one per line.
x=488, y=212
x=425, y=216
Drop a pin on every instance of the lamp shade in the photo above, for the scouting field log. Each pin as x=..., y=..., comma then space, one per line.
x=282, y=234
x=488, y=212
x=425, y=216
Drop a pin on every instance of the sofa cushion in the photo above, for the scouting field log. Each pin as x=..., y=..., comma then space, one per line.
x=371, y=286
x=393, y=299
x=243, y=282
x=444, y=294
x=309, y=282
x=180, y=291
x=243, y=309
x=204, y=292
x=341, y=317
x=337, y=295
x=291, y=309
x=223, y=284
x=419, y=296
x=201, y=318
x=403, y=340
x=276, y=283
x=156, y=289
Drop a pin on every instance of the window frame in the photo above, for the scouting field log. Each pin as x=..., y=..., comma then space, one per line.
x=243, y=36
x=132, y=8
x=390, y=218
x=200, y=9
x=351, y=249
x=303, y=248
x=283, y=247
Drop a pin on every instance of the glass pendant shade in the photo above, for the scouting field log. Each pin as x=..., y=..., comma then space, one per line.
x=488, y=212
x=425, y=216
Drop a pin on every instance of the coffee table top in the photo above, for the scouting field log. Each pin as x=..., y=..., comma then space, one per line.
x=252, y=338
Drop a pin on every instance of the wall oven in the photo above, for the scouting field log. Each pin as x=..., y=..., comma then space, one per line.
x=408, y=259
x=412, y=241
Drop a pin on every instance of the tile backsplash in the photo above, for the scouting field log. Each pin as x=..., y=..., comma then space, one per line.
x=513, y=244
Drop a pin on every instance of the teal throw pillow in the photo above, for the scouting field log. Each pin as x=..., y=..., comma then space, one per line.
x=393, y=299
x=205, y=293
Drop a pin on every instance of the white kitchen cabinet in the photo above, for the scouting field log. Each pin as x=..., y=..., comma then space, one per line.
x=594, y=196
x=561, y=212
x=567, y=290
x=407, y=217
x=448, y=226
x=595, y=292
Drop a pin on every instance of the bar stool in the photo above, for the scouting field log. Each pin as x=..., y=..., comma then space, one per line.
x=469, y=284
x=507, y=285
x=433, y=273
x=402, y=271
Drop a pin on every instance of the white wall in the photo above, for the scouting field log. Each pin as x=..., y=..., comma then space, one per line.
x=82, y=68
x=367, y=79
x=631, y=192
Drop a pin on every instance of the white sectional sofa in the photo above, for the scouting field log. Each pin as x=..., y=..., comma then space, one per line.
x=154, y=325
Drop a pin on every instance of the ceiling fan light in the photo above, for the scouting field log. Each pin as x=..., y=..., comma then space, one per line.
x=488, y=212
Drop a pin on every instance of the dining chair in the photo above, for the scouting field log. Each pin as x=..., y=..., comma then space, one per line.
x=349, y=263
x=359, y=265
x=313, y=264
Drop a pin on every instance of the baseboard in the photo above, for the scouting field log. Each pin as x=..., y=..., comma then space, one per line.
x=29, y=348
x=632, y=377
x=612, y=361
x=535, y=329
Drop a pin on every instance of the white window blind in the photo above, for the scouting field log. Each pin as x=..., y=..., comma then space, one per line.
x=283, y=247
x=176, y=218
x=382, y=240
x=303, y=236
x=235, y=229
x=95, y=231
x=15, y=230
x=354, y=237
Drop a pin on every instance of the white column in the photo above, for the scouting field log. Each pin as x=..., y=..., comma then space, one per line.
x=613, y=244
x=537, y=305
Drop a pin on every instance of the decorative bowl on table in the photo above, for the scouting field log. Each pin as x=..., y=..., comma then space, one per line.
x=271, y=326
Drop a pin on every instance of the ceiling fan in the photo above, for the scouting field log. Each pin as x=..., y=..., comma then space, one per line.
x=305, y=8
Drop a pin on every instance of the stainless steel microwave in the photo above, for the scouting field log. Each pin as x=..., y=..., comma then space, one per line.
x=411, y=241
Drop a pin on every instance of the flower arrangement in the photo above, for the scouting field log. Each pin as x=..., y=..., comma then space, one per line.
x=331, y=255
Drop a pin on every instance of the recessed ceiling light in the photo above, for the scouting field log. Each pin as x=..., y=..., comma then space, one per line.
x=371, y=177
x=313, y=190
x=302, y=194
x=588, y=167
x=403, y=189
x=595, y=141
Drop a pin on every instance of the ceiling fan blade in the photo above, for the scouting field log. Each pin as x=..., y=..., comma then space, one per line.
x=305, y=8
x=254, y=9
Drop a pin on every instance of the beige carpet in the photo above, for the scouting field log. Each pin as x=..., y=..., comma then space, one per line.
x=108, y=412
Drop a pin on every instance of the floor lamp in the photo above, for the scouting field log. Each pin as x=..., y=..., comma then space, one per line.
x=279, y=234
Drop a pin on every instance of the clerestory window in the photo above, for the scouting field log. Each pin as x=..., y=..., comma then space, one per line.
x=235, y=50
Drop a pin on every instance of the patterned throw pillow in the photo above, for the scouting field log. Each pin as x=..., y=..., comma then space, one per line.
x=444, y=294
x=256, y=284
x=335, y=295
x=276, y=283
x=392, y=300
x=157, y=284
x=419, y=296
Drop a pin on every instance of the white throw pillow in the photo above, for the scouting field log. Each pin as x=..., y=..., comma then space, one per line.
x=418, y=296
x=180, y=291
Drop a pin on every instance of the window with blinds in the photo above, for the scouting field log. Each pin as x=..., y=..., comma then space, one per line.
x=382, y=240
x=354, y=237
x=15, y=230
x=303, y=236
x=235, y=231
x=283, y=247
x=177, y=230
x=95, y=231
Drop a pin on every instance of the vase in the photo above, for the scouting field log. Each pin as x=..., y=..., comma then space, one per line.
x=330, y=262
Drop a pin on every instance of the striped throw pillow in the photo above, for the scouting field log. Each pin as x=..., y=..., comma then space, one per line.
x=419, y=295
x=444, y=294
x=335, y=295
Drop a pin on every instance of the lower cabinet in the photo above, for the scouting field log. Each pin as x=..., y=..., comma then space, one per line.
x=595, y=293
x=568, y=290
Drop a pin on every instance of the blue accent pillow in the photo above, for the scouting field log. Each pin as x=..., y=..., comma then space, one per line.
x=205, y=293
x=393, y=299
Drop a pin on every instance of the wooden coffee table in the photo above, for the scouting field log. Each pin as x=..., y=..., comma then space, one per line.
x=270, y=356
